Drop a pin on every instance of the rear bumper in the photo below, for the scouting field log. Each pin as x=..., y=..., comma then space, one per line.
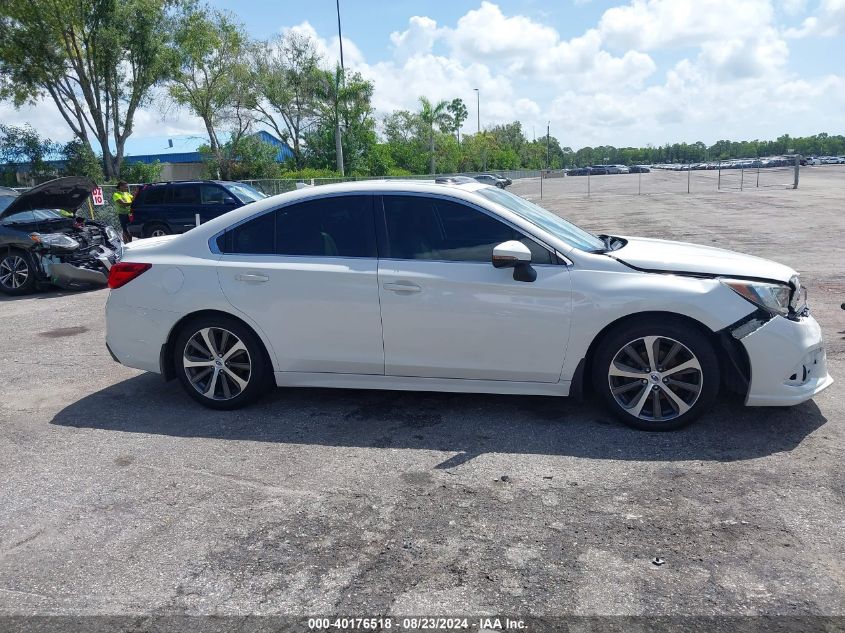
x=788, y=362
x=135, y=336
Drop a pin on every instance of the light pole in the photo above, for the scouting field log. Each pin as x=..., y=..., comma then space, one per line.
x=338, y=139
x=478, y=108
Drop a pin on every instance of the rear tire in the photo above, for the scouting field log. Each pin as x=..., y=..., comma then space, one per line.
x=220, y=362
x=17, y=273
x=156, y=230
x=656, y=374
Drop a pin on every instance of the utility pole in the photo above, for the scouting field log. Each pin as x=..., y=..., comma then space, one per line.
x=548, y=145
x=338, y=139
x=478, y=108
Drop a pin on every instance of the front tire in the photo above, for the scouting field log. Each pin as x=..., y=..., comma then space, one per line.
x=17, y=273
x=220, y=362
x=656, y=374
x=156, y=230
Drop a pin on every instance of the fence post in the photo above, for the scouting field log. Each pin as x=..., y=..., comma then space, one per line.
x=541, y=184
x=741, y=177
x=758, y=176
x=588, y=183
x=639, y=182
x=797, y=164
x=689, y=172
x=719, y=181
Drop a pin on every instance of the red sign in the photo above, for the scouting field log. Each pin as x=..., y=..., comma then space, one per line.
x=97, y=194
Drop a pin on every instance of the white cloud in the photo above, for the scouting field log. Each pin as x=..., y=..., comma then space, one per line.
x=828, y=21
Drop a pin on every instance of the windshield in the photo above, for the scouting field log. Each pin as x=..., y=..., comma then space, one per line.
x=546, y=220
x=32, y=216
x=245, y=193
x=5, y=201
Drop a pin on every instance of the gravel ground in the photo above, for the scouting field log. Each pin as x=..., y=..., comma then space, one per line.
x=122, y=496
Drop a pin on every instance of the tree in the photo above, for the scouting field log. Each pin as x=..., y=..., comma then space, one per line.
x=142, y=172
x=23, y=146
x=212, y=75
x=344, y=102
x=458, y=111
x=96, y=59
x=81, y=161
x=434, y=115
x=285, y=80
x=243, y=158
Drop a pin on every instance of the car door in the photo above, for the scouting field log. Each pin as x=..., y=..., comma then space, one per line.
x=307, y=274
x=448, y=313
x=215, y=200
x=183, y=203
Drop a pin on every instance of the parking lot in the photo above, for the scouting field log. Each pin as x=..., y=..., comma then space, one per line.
x=120, y=495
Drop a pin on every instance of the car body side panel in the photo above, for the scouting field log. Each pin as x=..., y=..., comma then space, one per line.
x=600, y=297
x=141, y=314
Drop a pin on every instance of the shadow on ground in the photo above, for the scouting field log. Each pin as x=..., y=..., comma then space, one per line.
x=468, y=424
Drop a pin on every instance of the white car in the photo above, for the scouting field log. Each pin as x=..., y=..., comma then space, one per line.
x=457, y=286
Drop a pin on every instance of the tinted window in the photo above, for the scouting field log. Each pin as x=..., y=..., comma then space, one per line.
x=212, y=194
x=330, y=227
x=340, y=226
x=254, y=237
x=431, y=228
x=185, y=194
x=245, y=193
x=153, y=195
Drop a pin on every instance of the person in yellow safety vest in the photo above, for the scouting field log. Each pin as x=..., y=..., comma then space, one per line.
x=122, y=201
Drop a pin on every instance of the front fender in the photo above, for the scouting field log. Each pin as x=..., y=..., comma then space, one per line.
x=600, y=297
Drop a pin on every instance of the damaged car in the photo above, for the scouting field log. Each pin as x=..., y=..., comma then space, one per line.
x=456, y=286
x=44, y=242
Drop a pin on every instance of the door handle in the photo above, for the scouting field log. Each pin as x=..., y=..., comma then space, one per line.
x=251, y=277
x=402, y=287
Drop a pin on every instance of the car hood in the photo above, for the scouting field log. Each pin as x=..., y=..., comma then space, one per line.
x=682, y=257
x=62, y=193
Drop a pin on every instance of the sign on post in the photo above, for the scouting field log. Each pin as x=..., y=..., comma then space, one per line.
x=97, y=195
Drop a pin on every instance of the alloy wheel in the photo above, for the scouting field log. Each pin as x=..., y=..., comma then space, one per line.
x=217, y=363
x=655, y=378
x=14, y=271
x=158, y=233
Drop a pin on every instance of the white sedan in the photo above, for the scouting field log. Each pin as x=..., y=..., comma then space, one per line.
x=456, y=286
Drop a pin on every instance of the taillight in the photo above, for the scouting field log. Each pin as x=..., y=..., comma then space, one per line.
x=124, y=272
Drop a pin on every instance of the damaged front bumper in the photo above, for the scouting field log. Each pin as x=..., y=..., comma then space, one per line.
x=787, y=360
x=80, y=271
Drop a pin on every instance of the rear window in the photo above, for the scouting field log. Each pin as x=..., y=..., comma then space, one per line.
x=153, y=195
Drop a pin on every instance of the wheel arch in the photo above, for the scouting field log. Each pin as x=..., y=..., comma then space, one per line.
x=733, y=358
x=168, y=370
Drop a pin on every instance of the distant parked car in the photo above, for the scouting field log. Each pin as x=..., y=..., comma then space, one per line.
x=508, y=181
x=813, y=161
x=171, y=207
x=617, y=169
x=490, y=179
x=638, y=169
x=578, y=171
x=598, y=170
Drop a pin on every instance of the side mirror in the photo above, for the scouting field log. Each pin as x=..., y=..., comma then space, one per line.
x=514, y=254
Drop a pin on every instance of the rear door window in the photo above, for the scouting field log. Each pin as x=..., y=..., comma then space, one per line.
x=185, y=194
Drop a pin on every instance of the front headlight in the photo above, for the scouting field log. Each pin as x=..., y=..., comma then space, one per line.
x=113, y=235
x=56, y=240
x=771, y=297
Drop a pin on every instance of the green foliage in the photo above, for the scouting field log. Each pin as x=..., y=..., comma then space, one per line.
x=24, y=147
x=458, y=111
x=96, y=59
x=242, y=159
x=81, y=161
x=212, y=77
x=308, y=173
x=141, y=172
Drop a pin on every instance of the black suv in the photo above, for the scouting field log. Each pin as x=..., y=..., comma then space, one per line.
x=171, y=207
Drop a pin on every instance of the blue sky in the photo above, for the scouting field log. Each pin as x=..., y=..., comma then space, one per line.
x=621, y=72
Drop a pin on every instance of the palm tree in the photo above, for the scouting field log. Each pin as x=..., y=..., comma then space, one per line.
x=433, y=115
